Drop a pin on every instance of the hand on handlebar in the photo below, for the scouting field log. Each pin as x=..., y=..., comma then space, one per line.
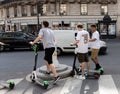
x=2, y=43
x=71, y=44
x=31, y=43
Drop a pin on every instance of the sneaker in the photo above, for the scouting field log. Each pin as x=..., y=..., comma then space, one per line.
x=81, y=77
x=86, y=73
x=97, y=68
x=101, y=70
x=56, y=79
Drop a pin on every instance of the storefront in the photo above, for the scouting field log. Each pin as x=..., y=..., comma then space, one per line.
x=107, y=28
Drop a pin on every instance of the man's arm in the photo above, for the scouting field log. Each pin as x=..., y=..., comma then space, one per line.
x=77, y=40
x=92, y=40
x=36, y=40
x=75, y=43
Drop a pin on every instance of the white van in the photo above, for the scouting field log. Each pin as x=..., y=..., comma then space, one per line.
x=65, y=37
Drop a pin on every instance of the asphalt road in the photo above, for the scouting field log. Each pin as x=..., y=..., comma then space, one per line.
x=19, y=63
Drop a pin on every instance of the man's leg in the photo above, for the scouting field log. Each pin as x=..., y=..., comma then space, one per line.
x=48, y=67
x=88, y=66
x=87, y=61
x=82, y=68
x=94, y=57
x=81, y=58
x=52, y=67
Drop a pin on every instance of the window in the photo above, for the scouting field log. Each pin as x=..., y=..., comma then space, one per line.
x=33, y=10
x=104, y=9
x=15, y=11
x=44, y=9
x=63, y=9
x=24, y=11
x=84, y=9
x=7, y=13
x=1, y=13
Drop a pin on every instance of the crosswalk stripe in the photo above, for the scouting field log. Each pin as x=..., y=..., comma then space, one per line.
x=106, y=84
x=72, y=86
x=3, y=91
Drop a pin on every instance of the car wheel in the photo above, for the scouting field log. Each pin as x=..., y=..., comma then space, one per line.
x=59, y=51
x=102, y=52
x=1, y=48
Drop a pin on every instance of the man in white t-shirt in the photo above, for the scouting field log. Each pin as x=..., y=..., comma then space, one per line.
x=95, y=45
x=82, y=40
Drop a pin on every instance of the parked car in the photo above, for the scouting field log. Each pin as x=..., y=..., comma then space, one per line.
x=65, y=37
x=17, y=40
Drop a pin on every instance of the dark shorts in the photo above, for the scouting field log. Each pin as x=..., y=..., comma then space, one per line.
x=83, y=57
x=48, y=54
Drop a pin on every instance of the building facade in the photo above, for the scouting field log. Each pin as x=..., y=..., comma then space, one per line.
x=16, y=15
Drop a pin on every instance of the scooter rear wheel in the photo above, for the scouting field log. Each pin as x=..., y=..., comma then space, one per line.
x=45, y=84
x=32, y=78
x=96, y=75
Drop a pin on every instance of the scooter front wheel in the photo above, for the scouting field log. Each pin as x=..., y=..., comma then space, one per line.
x=32, y=78
x=96, y=75
x=11, y=85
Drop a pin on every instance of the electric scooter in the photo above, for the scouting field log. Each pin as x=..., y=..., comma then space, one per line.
x=33, y=76
x=9, y=84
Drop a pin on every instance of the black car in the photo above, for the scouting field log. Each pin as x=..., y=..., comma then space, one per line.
x=17, y=40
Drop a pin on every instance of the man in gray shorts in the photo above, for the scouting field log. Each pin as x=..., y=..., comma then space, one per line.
x=47, y=36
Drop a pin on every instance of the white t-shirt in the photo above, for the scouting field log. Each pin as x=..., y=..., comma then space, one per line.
x=83, y=37
x=95, y=44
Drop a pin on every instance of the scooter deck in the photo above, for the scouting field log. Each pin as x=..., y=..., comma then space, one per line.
x=93, y=74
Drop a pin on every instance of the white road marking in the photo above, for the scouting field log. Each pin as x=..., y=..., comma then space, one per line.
x=72, y=86
x=106, y=84
x=3, y=91
x=29, y=91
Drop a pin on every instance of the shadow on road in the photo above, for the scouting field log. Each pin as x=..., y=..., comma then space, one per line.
x=89, y=87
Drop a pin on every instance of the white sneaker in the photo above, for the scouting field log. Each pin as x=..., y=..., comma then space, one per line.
x=86, y=74
x=81, y=77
